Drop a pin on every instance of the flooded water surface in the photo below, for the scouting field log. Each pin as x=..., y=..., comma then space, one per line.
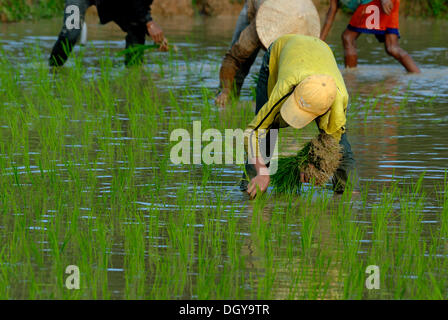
x=88, y=180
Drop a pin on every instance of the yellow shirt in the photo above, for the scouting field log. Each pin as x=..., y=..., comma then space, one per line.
x=293, y=58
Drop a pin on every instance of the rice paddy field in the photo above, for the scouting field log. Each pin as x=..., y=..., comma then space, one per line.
x=86, y=177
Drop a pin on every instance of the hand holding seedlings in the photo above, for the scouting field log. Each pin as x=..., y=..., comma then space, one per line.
x=164, y=46
x=157, y=35
x=261, y=181
x=222, y=98
x=155, y=32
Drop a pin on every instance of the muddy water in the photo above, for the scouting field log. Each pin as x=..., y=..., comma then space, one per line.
x=394, y=141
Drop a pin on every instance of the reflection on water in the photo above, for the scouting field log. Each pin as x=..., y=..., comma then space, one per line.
x=397, y=122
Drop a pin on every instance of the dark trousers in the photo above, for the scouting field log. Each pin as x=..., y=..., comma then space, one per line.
x=136, y=33
x=346, y=169
x=68, y=37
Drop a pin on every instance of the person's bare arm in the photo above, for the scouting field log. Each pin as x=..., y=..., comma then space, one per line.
x=388, y=6
x=329, y=19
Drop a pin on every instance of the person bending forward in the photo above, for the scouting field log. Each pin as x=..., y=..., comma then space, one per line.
x=299, y=82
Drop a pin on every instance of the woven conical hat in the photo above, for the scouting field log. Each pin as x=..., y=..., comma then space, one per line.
x=279, y=17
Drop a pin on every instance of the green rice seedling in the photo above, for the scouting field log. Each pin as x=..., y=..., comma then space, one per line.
x=405, y=101
x=86, y=179
x=318, y=160
x=135, y=260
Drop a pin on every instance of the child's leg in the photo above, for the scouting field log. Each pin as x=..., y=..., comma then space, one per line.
x=393, y=49
x=349, y=41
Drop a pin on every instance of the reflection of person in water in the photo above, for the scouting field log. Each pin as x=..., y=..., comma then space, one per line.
x=381, y=142
x=133, y=17
x=377, y=143
x=378, y=17
x=293, y=264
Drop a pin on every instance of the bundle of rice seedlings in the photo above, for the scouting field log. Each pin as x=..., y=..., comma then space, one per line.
x=318, y=160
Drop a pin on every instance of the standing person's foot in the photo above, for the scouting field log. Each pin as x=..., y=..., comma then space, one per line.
x=414, y=70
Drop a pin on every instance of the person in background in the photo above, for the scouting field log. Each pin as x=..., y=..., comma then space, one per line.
x=378, y=17
x=242, y=53
x=259, y=24
x=299, y=83
x=133, y=17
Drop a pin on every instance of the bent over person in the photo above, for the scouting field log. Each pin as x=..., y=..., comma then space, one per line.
x=299, y=83
x=260, y=22
x=133, y=17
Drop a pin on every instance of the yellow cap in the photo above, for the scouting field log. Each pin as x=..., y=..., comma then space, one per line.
x=313, y=97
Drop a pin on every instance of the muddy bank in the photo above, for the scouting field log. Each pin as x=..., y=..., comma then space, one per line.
x=36, y=9
x=17, y=10
x=205, y=7
x=418, y=8
x=191, y=7
x=32, y=9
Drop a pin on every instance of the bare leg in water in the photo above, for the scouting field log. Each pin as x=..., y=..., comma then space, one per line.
x=349, y=41
x=393, y=49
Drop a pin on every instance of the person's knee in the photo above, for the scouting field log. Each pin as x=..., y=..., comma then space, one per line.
x=348, y=39
x=73, y=36
x=393, y=50
x=70, y=36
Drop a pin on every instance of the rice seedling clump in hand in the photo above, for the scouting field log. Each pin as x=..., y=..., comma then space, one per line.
x=318, y=160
